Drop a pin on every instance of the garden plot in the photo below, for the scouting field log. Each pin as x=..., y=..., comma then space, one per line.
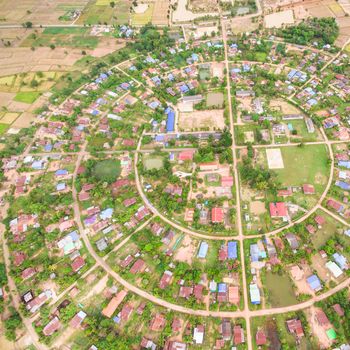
x=202, y=120
x=274, y=158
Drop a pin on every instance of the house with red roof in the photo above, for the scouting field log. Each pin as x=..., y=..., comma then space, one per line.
x=285, y=192
x=165, y=280
x=185, y=292
x=279, y=210
x=217, y=215
x=185, y=155
x=295, y=327
x=53, y=326
x=320, y=220
x=338, y=207
x=126, y=312
x=138, y=266
x=260, y=338
x=157, y=323
x=77, y=263
x=308, y=189
x=238, y=335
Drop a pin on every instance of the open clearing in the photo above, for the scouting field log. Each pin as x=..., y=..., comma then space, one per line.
x=151, y=162
x=202, y=120
x=278, y=19
x=274, y=158
x=142, y=18
x=215, y=99
x=304, y=165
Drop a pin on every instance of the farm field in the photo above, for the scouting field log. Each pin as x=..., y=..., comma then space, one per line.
x=27, y=97
x=100, y=12
x=37, y=11
x=142, y=18
x=64, y=37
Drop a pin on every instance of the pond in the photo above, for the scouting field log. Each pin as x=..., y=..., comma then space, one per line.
x=280, y=290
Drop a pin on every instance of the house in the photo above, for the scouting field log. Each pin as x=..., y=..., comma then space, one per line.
x=233, y=295
x=285, y=192
x=334, y=269
x=176, y=325
x=341, y=261
x=198, y=292
x=138, y=266
x=185, y=292
x=209, y=166
x=109, y=310
x=148, y=344
x=279, y=210
x=254, y=293
x=338, y=309
x=165, y=280
x=338, y=207
x=260, y=338
x=157, y=323
x=174, y=345
x=295, y=327
x=232, y=250
x=297, y=273
x=53, y=326
x=308, y=189
x=217, y=215
x=314, y=283
x=322, y=319
x=77, y=263
x=222, y=293
x=238, y=335
x=198, y=334
x=185, y=155
x=189, y=213
x=226, y=329
x=320, y=220
x=77, y=320
x=35, y=304
x=28, y=273
x=126, y=312
x=203, y=250
x=292, y=240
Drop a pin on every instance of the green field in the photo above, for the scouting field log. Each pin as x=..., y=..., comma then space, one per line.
x=153, y=163
x=3, y=128
x=280, y=290
x=107, y=170
x=100, y=12
x=27, y=96
x=307, y=164
x=62, y=36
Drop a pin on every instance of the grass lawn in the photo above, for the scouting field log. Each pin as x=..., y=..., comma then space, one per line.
x=107, y=170
x=153, y=163
x=3, y=128
x=307, y=164
x=280, y=290
x=303, y=134
x=27, y=97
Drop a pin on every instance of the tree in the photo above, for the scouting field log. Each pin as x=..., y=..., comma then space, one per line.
x=112, y=4
x=27, y=25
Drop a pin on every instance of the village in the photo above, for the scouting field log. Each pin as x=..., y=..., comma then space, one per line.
x=189, y=191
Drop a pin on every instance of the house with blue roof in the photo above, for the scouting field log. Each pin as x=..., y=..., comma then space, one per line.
x=232, y=250
x=60, y=186
x=38, y=165
x=195, y=57
x=341, y=261
x=170, y=123
x=48, y=147
x=314, y=283
x=106, y=214
x=344, y=164
x=343, y=185
x=61, y=172
x=222, y=288
x=203, y=250
x=184, y=88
